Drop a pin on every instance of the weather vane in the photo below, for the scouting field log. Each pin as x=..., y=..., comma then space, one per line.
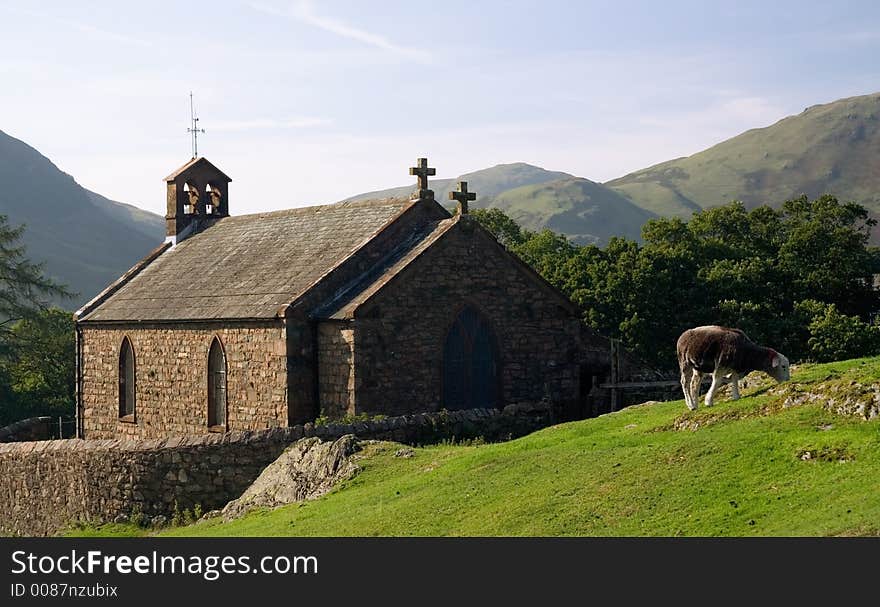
x=194, y=129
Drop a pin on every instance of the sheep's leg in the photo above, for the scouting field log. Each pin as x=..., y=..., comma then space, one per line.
x=696, y=380
x=686, y=385
x=719, y=378
x=734, y=386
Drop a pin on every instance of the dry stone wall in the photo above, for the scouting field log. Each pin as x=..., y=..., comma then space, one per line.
x=47, y=486
x=171, y=365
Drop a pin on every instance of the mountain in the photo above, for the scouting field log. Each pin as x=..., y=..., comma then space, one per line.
x=586, y=211
x=832, y=148
x=85, y=240
x=487, y=182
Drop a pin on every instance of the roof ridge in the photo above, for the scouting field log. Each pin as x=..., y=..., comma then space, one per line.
x=191, y=163
x=373, y=202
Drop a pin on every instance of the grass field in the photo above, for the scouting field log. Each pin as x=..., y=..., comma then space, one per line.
x=743, y=471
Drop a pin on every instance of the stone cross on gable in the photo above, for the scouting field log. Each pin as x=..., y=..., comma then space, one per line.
x=423, y=171
x=462, y=196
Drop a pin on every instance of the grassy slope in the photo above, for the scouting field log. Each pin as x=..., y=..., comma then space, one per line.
x=628, y=473
x=485, y=182
x=830, y=148
x=587, y=212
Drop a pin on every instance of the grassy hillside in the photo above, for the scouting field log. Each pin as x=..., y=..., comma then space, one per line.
x=486, y=182
x=773, y=463
x=85, y=240
x=832, y=148
x=585, y=211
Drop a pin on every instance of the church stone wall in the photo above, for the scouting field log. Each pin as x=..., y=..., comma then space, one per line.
x=336, y=369
x=171, y=365
x=48, y=486
x=400, y=333
x=306, y=386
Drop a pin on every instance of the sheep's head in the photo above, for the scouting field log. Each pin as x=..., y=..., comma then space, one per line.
x=779, y=368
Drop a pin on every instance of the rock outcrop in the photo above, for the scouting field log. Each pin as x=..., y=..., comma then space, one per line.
x=306, y=470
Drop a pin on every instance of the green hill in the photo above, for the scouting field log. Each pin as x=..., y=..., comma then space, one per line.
x=486, y=182
x=777, y=462
x=832, y=148
x=586, y=211
x=85, y=240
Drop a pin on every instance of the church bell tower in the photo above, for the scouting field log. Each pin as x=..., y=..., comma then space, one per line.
x=197, y=192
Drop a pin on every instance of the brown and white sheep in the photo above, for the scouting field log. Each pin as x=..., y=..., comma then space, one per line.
x=728, y=354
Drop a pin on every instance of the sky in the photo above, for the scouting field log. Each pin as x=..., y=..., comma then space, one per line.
x=311, y=102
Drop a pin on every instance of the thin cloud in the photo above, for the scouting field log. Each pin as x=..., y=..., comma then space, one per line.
x=101, y=34
x=85, y=28
x=304, y=12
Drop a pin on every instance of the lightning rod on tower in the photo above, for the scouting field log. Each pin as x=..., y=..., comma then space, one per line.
x=194, y=129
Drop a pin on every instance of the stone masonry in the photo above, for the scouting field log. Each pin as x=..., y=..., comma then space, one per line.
x=47, y=486
x=399, y=334
x=171, y=367
x=336, y=369
x=325, y=311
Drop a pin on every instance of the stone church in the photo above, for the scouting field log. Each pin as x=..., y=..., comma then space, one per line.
x=387, y=306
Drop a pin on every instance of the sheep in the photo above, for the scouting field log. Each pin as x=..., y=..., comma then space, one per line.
x=728, y=354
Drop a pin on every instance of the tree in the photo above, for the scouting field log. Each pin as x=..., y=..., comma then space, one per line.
x=24, y=290
x=826, y=254
x=36, y=356
x=39, y=372
x=799, y=278
x=505, y=229
x=836, y=336
x=548, y=253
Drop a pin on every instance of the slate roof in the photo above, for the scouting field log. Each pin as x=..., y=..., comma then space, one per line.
x=192, y=163
x=350, y=299
x=246, y=266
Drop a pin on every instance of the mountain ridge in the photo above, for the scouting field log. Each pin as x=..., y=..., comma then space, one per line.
x=84, y=239
x=539, y=198
x=829, y=148
x=87, y=240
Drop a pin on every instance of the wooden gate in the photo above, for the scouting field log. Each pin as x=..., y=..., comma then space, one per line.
x=470, y=363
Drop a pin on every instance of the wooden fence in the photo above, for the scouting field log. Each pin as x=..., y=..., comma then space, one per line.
x=616, y=386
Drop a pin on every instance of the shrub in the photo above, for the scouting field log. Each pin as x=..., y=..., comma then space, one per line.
x=836, y=336
x=348, y=419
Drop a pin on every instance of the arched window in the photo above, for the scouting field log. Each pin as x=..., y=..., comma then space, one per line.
x=127, y=392
x=471, y=368
x=217, y=386
x=191, y=202
x=213, y=197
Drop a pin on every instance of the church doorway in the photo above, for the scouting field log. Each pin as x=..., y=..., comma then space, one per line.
x=471, y=366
